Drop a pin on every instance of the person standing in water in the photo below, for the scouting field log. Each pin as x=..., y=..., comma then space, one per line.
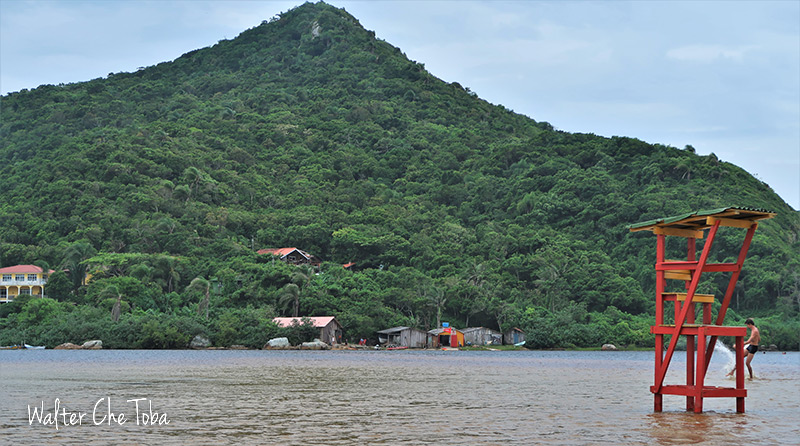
x=751, y=345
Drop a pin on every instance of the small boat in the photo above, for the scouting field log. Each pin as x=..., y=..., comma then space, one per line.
x=519, y=344
x=12, y=347
x=34, y=347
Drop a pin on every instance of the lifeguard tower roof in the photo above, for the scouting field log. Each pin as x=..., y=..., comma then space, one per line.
x=698, y=220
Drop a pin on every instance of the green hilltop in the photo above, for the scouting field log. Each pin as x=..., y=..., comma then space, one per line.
x=307, y=131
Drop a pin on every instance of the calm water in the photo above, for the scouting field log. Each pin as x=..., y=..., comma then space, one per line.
x=383, y=398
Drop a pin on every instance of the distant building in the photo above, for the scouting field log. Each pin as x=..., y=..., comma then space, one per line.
x=403, y=337
x=482, y=336
x=330, y=330
x=293, y=256
x=513, y=336
x=445, y=337
x=22, y=280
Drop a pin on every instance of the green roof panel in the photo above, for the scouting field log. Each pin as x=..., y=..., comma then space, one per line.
x=740, y=212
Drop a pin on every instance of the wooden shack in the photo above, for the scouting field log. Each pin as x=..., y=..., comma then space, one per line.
x=482, y=336
x=513, y=336
x=445, y=337
x=403, y=337
x=330, y=330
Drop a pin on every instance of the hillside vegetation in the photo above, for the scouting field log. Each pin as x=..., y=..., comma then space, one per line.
x=307, y=131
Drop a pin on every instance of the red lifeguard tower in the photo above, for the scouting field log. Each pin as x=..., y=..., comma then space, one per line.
x=692, y=227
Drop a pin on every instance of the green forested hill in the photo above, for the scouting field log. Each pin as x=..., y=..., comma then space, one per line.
x=307, y=131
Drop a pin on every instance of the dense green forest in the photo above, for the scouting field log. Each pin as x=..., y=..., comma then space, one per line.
x=307, y=131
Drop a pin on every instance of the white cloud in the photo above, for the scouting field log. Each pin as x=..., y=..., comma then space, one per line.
x=710, y=53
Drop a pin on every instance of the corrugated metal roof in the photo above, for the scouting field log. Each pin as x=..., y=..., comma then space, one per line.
x=318, y=321
x=393, y=330
x=438, y=331
x=471, y=329
x=697, y=219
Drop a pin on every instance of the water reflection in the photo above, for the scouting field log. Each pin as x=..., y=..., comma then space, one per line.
x=669, y=428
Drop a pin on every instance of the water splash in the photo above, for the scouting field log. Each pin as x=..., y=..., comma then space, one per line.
x=723, y=349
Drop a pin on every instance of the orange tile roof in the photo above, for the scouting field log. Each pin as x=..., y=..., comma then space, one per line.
x=282, y=252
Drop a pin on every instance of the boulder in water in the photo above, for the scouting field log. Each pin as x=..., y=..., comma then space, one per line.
x=92, y=345
x=200, y=341
x=278, y=344
x=67, y=346
x=316, y=344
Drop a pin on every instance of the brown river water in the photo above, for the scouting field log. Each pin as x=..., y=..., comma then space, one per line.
x=380, y=398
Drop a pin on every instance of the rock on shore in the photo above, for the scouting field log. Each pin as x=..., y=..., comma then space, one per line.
x=92, y=345
x=200, y=341
x=316, y=344
x=88, y=345
x=278, y=344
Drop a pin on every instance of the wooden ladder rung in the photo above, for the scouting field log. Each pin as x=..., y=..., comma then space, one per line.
x=704, y=298
x=681, y=274
x=692, y=329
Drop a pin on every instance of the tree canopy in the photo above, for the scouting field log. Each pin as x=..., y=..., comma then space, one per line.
x=307, y=131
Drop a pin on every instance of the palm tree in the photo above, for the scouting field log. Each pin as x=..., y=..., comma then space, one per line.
x=291, y=292
x=73, y=261
x=794, y=287
x=194, y=175
x=203, y=286
x=686, y=168
x=165, y=273
x=553, y=267
x=501, y=313
x=476, y=289
x=436, y=299
x=110, y=292
x=476, y=274
x=290, y=295
x=302, y=276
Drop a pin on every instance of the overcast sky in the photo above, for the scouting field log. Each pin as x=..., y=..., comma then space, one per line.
x=721, y=76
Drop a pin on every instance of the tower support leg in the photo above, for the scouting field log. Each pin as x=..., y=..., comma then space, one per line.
x=700, y=377
x=690, y=352
x=739, y=344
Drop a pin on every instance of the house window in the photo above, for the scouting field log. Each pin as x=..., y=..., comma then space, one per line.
x=19, y=277
x=6, y=277
x=3, y=293
x=292, y=258
x=25, y=291
x=31, y=277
